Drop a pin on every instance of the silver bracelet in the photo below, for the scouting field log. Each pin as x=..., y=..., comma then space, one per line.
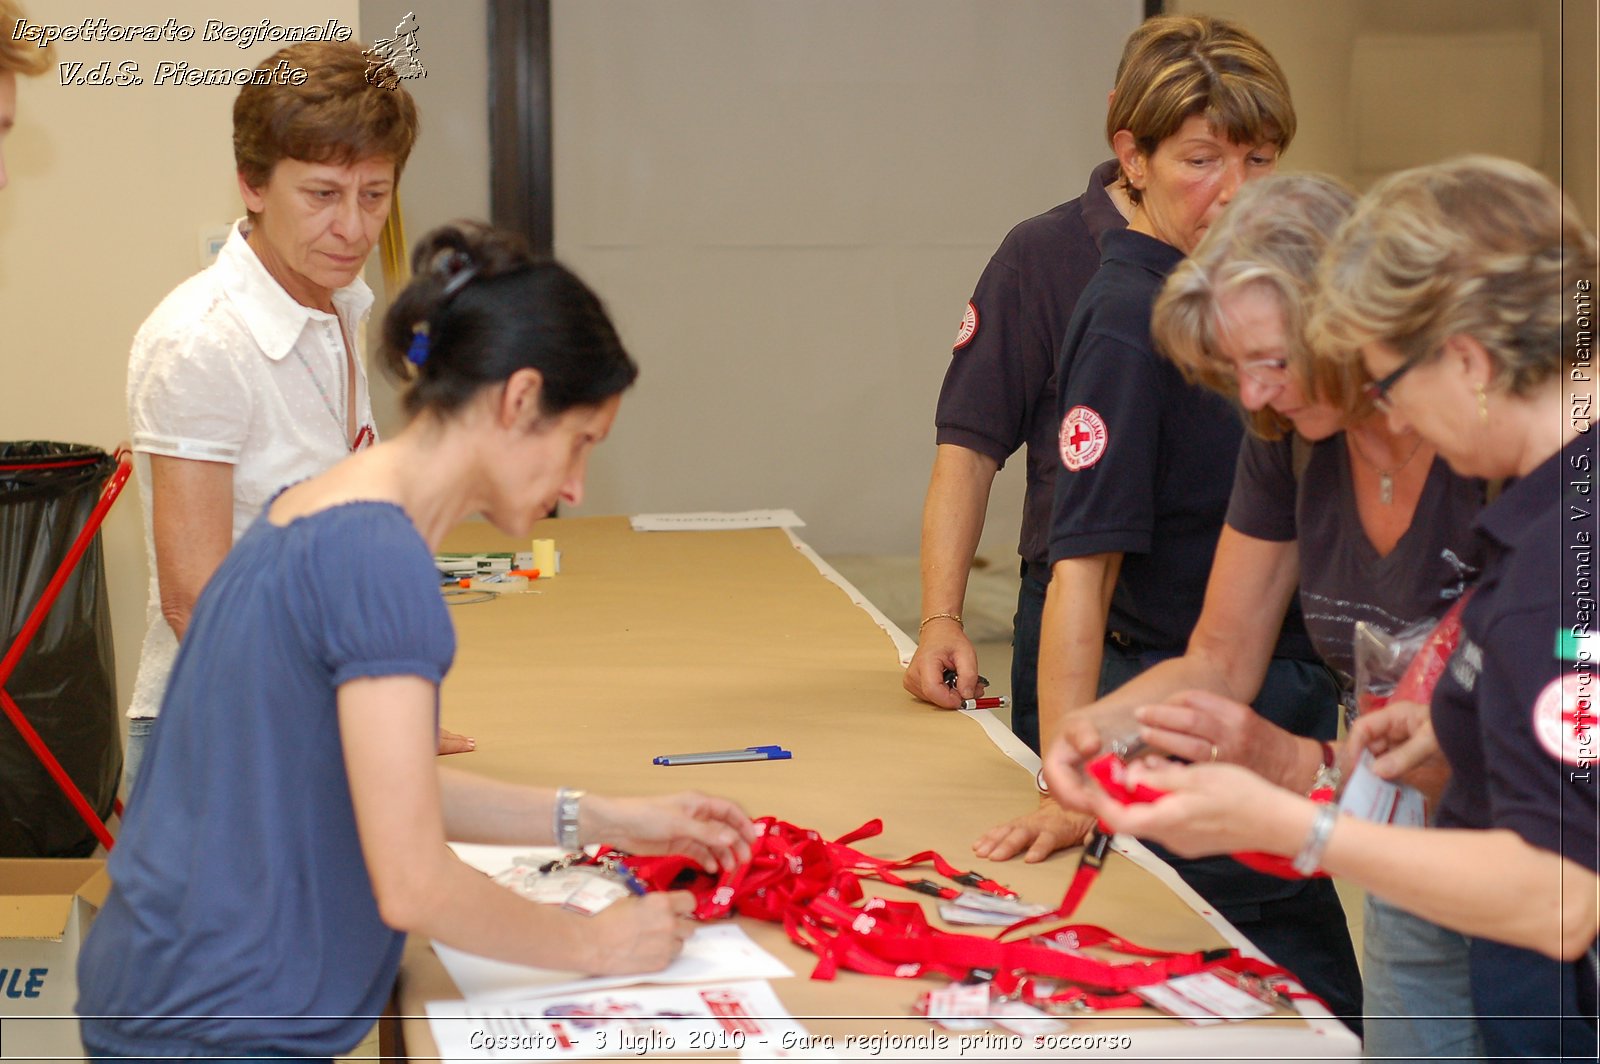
x=1309, y=859
x=564, y=819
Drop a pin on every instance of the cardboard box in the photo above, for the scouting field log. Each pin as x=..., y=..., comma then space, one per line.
x=46, y=907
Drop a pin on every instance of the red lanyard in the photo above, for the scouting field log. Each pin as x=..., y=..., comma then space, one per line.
x=813, y=888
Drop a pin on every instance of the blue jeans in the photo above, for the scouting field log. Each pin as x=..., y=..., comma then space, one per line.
x=1418, y=988
x=139, y=729
x=1025, y=658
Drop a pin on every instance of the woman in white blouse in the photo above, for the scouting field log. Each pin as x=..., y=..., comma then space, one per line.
x=246, y=377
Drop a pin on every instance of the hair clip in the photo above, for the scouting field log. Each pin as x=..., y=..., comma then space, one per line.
x=457, y=268
x=456, y=283
x=417, y=353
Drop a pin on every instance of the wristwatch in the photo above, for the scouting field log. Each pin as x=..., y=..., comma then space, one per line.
x=565, y=816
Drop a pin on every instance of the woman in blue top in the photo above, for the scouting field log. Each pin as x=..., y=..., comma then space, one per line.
x=1467, y=288
x=264, y=886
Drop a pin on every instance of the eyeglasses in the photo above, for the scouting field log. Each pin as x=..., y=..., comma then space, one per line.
x=1377, y=392
x=1267, y=372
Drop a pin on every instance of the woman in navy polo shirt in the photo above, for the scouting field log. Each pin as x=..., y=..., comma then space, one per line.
x=1467, y=288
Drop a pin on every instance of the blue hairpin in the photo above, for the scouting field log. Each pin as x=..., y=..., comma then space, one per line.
x=457, y=269
x=417, y=353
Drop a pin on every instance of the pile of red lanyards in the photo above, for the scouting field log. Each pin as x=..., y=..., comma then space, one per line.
x=813, y=888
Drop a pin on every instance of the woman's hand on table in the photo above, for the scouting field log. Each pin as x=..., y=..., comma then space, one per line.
x=451, y=743
x=1036, y=834
x=1401, y=737
x=714, y=832
x=643, y=934
x=1202, y=727
x=1208, y=809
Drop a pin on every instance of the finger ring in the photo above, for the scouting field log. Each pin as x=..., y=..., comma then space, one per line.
x=1213, y=752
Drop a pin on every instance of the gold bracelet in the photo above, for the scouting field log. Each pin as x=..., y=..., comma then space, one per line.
x=941, y=617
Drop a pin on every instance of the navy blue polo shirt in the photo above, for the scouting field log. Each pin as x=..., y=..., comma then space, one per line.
x=999, y=392
x=1147, y=459
x=1514, y=714
x=1515, y=720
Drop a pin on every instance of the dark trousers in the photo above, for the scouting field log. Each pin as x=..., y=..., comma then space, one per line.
x=1531, y=1007
x=1299, y=924
x=1025, y=657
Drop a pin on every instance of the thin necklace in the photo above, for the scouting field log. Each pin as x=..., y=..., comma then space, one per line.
x=341, y=423
x=1385, y=476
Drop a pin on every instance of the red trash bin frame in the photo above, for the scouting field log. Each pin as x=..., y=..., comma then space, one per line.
x=8, y=664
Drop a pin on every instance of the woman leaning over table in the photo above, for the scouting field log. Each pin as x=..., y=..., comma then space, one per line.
x=1462, y=286
x=1329, y=500
x=262, y=893
x=1147, y=466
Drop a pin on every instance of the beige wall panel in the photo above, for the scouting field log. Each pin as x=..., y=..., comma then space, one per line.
x=786, y=205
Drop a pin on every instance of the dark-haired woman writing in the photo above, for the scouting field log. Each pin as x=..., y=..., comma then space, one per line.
x=263, y=892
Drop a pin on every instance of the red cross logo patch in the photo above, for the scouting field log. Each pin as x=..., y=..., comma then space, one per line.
x=1564, y=719
x=1083, y=438
x=969, y=326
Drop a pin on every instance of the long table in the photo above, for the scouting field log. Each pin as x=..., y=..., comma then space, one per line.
x=650, y=643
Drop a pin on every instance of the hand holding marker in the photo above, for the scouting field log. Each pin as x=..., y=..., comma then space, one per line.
x=995, y=702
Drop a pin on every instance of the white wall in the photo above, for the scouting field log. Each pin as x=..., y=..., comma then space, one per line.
x=786, y=205
x=110, y=189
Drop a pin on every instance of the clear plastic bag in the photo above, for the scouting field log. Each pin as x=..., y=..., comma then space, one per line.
x=1395, y=667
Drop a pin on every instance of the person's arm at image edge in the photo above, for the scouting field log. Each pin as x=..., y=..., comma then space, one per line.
x=952, y=524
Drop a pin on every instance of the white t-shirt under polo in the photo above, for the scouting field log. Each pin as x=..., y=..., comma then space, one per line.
x=229, y=368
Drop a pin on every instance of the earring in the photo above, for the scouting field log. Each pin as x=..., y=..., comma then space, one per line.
x=1483, y=405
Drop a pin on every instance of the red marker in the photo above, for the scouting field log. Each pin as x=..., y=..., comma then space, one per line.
x=997, y=702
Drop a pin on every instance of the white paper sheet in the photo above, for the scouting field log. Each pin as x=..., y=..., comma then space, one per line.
x=641, y=1022
x=713, y=521
x=715, y=953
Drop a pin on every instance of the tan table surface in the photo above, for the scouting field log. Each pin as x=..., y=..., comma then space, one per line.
x=665, y=642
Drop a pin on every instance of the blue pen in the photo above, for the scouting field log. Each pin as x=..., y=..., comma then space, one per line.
x=713, y=757
x=734, y=755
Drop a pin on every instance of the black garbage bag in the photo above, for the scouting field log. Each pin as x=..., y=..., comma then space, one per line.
x=65, y=683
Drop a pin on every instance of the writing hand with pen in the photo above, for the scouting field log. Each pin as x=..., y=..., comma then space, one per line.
x=644, y=933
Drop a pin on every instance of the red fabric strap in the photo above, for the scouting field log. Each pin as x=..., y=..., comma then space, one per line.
x=812, y=887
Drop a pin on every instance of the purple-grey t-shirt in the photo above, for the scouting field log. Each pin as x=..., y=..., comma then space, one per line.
x=1343, y=579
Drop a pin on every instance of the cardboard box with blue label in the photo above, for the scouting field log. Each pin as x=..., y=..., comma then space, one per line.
x=46, y=907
